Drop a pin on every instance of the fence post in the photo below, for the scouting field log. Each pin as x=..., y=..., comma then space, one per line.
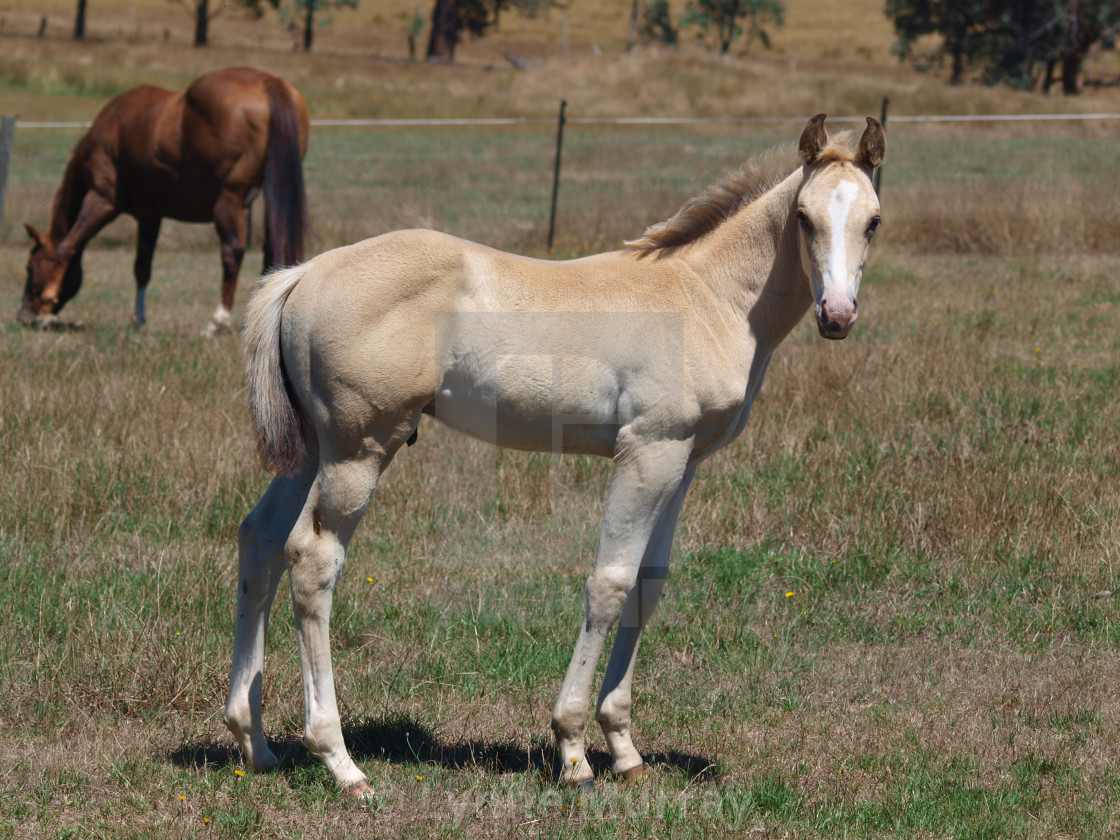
x=556, y=173
x=882, y=122
x=7, y=141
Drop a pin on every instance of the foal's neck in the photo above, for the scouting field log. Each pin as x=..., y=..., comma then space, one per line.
x=751, y=262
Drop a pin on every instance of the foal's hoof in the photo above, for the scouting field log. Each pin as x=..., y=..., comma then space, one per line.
x=634, y=774
x=360, y=790
x=584, y=785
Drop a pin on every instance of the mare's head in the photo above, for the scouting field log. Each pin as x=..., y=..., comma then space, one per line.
x=837, y=213
x=53, y=277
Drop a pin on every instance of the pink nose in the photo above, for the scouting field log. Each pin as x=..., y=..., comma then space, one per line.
x=835, y=319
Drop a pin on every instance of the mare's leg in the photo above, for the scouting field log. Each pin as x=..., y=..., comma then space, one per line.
x=613, y=710
x=647, y=475
x=316, y=552
x=146, y=236
x=260, y=542
x=230, y=221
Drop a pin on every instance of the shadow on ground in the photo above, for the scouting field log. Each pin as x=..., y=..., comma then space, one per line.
x=401, y=740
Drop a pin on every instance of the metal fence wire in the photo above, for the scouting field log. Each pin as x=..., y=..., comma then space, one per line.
x=491, y=181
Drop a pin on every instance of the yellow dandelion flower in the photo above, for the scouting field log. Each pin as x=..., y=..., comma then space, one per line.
x=369, y=580
x=205, y=820
x=182, y=799
x=239, y=773
x=790, y=594
x=419, y=778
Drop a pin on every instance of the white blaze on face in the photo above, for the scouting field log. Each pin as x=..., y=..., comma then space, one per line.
x=839, y=206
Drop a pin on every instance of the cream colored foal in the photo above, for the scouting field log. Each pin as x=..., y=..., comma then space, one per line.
x=650, y=356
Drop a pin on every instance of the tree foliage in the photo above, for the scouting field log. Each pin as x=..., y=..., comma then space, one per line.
x=727, y=20
x=657, y=23
x=450, y=18
x=1021, y=42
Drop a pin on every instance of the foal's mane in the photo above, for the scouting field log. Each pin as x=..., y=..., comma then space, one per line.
x=709, y=209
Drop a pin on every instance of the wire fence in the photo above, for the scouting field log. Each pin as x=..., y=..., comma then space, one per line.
x=492, y=180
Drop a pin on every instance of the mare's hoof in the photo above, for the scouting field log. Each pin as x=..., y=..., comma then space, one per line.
x=634, y=774
x=360, y=790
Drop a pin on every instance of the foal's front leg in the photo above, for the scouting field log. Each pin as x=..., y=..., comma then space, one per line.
x=647, y=476
x=613, y=709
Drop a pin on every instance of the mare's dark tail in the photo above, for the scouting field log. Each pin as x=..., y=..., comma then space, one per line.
x=285, y=198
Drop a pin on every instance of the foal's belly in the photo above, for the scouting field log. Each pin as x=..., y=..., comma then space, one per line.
x=533, y=402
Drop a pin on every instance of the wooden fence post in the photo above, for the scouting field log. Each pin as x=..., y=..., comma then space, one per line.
x=7, y=141
x=883, y=122
x=556, y=173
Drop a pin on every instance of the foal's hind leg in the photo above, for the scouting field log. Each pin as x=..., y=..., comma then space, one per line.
x=613, y=710
x=260, y=539
x=316, y=552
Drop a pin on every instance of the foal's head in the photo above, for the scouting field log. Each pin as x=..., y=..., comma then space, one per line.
x=837, y=213
x=52, y=279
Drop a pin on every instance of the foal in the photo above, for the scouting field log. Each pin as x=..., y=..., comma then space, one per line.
x=650, y=356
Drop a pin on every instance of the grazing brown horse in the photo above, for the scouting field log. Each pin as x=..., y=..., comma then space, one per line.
x=199, y=155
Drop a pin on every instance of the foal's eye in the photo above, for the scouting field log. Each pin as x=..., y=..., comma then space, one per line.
x=871, y=227
x=803, y=220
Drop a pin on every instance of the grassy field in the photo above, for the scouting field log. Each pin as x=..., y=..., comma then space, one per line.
x=891, y=611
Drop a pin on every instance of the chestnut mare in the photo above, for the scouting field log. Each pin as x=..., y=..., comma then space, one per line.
x=649, y=356
x=199, y=155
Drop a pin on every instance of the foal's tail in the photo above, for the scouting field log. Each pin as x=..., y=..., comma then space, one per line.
x=285, y=198
x=271, y=407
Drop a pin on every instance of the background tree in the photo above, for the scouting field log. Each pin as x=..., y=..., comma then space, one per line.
x=200, y=11
x=80, y=21
x=303, y=16
x=726, y=18
x=963, y=25
x=1019, y=42
x=657, y=24
x=415, y=27
x=450, y=18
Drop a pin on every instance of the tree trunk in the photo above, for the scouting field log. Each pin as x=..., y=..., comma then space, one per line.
x=201, y=22
x=309, y=26
x=80, y=21
x=1071, y=69
x=445, y=32
x=1048, y=76
x=632, y=35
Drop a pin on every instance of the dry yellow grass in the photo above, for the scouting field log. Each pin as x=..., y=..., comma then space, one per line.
x=831, y=56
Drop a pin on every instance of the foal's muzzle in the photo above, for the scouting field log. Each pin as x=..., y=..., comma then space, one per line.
x=835, y=322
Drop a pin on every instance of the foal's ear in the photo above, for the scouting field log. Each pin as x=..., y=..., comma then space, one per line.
x=872, y=145
x=813, y=139
x=36, y=237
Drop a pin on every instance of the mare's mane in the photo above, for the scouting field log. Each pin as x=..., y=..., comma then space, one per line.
x=709, y=209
